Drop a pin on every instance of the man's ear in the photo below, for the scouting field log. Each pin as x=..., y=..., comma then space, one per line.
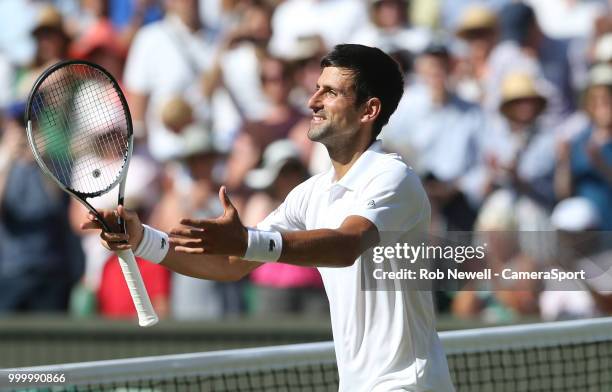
x=371, y=110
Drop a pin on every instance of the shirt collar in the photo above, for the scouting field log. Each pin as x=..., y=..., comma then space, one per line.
x=354, y=176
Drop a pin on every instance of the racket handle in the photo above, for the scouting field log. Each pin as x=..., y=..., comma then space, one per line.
x=131, y=273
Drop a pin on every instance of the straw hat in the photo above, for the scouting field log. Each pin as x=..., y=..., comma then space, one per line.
x=476, y=17
x=517, y=86
x=50, y=18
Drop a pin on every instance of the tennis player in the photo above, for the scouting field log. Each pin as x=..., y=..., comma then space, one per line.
x=384, y=340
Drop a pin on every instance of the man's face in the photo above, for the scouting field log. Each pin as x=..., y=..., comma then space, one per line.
x=599, y=105
x=434, y=71
x=335, y=114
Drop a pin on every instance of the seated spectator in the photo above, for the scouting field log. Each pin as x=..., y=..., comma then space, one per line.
x=390, y=30
x=524, y=48
x=580, y=248
x=478, y=28
x=52, y=43
x=518, y=169
x=585, y=164
x=452, y=10
x=281, y=289
x=281, y=120
x=40, y=256
x=438, y=134
x=500, y=300
x=519, y=152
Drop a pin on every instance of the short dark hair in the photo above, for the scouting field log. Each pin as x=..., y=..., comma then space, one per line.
x=375, y=74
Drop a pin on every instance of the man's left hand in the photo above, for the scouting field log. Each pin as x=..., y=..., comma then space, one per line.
x=225, y=235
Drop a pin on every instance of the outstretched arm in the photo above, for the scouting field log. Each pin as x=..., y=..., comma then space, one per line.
x=320, y=248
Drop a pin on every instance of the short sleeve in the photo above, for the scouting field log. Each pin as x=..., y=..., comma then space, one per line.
x=394, y=201
x=290, y=215
x=136, y=76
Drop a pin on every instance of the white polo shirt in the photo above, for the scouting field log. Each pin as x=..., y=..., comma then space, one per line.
x=384, y=340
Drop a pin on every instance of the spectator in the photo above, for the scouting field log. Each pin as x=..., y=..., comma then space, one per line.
x=238, y=64
x=281, y=120
x=390, y=30
x=166, y=59
x=100, y=45
x=452, y=10
x=524, y=48
x=52, y=43
x=519, y=152
x=281, y=289
x=438, y=133
x=563, y=19
x=40, y=257
x=585, y=164
x=519, y=168
x=478, y=28
x=579, y=249
x=335, y=21
x=190, y=190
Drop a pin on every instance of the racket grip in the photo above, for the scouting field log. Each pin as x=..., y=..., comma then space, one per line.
x=146, y=314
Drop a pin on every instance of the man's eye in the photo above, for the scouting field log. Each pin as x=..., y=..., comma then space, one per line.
x=332, y=93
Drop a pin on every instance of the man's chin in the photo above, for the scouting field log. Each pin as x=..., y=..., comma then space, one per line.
x=316, y=134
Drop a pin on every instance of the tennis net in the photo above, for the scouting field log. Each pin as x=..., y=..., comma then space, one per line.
x=562, y=356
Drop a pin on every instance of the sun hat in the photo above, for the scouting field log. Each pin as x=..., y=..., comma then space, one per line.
x=519, y=85
x=50, y=19
x=476, y=17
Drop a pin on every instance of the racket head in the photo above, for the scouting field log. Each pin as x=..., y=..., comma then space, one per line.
x=79, y=127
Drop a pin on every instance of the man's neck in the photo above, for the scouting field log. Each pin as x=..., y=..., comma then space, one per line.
x=344, y=157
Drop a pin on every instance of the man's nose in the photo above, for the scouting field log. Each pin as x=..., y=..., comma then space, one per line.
x=314, y=103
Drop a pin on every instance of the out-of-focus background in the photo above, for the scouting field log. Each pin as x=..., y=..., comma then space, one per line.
x=506, y=116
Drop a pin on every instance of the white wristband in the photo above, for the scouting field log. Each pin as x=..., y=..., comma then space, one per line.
x=264, y=245
x=154, y=245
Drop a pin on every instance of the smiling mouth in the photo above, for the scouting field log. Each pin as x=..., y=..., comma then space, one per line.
x=317, y=118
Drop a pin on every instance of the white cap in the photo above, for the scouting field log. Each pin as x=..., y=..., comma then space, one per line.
x=600, y=75
x=195, y=139
x=575, y=214
x=274, y=158
x=603, y=48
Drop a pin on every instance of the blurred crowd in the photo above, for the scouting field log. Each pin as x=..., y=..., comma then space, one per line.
x=506, y=116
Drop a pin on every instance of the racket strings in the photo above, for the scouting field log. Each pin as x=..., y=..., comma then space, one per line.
x=79, y=128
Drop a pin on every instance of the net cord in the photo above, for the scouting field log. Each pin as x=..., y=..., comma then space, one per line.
x=252, y=359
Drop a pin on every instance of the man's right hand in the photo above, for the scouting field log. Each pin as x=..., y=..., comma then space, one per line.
x=117, y=240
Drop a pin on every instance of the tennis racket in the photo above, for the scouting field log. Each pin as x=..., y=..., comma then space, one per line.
x=80, y=131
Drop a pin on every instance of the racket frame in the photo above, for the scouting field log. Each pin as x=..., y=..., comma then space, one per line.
x=146, y=313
